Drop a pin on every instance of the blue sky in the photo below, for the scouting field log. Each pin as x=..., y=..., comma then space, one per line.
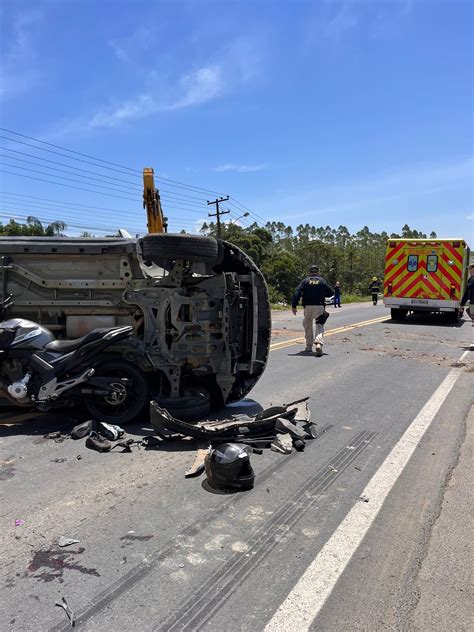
x=327, y=113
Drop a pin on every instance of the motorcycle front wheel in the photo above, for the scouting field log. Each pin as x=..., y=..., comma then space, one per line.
x=127, y=399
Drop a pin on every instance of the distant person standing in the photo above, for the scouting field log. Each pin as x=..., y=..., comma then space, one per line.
x=337, y=294
x=313, y=290
x=374, y=289
x=469, y=294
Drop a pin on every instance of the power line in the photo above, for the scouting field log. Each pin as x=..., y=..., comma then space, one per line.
x=130, y=169
x=99, y=208
x=52, y=175
x=135, y=186
x=50, y=151
x=112, y=166
x=50, y=220
x=42, y=218
x=35, y=202
x=62, y=164
x=64, y=205
x=35, y=207
x=64, y=211
x=241, y=207
x=70, y=222
x=66, y=149
x=68, y=186
x=87, y=227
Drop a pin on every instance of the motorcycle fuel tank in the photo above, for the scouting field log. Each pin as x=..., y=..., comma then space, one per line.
x=28, y=335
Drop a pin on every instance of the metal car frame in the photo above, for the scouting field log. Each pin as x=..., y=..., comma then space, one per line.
x=197, y=324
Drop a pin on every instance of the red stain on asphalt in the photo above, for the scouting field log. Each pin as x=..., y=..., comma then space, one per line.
x=54, y=563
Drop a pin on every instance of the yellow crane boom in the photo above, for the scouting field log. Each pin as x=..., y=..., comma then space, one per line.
x=156, y=222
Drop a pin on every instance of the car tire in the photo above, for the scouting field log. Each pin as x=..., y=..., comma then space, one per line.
x=192, y=406
x=398, y=314
x=157, y=248
x=454, y=317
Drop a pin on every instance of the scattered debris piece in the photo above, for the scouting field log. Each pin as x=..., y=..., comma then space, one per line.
x=364, y=498
x=150, y=441
x=126, y=445
x=299, y=444
x=198, y=466
x=70, y=614
x=63, y=541
x=78, y=457
x=97, y=442
x=282, y=443
x=19, y=522
x=110, y=431
x=57, y=437
x=285, y=425
x=82, y=430
x=62, y=459
x=237, y=427
x=333, y=469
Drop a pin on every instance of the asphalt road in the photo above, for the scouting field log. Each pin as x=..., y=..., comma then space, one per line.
x=358, y=532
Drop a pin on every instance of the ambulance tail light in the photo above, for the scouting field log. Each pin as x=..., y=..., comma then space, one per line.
x=452, y=291
x=389, y=289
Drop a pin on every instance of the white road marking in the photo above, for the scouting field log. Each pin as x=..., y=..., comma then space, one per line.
x=308, y=596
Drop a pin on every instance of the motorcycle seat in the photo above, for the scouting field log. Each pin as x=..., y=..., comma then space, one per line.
x=65, y=346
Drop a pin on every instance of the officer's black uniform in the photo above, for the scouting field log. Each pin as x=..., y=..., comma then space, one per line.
x=469, y=296
x=313, y=290
x=468, y=293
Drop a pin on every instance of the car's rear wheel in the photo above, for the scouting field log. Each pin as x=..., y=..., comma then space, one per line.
x=398, y=314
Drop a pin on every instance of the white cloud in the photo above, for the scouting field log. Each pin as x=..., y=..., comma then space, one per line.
x=136, y=43
x=470, y=217
x=18, y=70
x=228, y=70
x=341, y=23
x=194, y=88
x=239, y=168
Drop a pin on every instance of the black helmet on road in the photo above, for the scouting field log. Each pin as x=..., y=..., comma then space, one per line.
x=228, y=467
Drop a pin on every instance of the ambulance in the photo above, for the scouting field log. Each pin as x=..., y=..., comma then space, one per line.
x=425, y=275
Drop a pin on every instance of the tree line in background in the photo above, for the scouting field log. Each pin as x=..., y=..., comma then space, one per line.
x=284, y=255
x=33, y=227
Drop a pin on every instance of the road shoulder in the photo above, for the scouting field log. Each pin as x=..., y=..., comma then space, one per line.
x=445, y=579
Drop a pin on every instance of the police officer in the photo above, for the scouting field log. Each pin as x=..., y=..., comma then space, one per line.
x=469, y=294
x=374, y=289
x=313, y=290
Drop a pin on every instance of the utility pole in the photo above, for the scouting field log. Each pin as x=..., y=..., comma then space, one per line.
x=218, y=213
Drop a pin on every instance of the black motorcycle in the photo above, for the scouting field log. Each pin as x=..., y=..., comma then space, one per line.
x=37, y=370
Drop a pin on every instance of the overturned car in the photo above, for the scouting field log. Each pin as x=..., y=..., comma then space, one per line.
x=199, y=308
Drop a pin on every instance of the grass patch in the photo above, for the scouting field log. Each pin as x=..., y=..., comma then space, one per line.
x=345, y=298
